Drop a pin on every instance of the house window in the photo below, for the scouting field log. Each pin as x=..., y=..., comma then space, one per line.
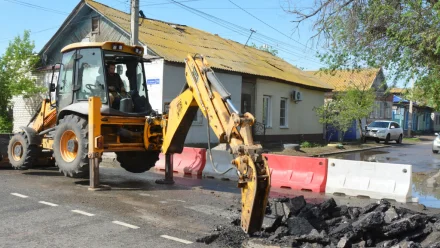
x=437, y=120
x=283, y=112
x=95, y=24
x=267, y=113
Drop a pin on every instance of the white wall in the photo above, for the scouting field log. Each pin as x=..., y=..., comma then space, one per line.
x=301, y=117
x=24, y=108
x=174, y=79
x=154, y=75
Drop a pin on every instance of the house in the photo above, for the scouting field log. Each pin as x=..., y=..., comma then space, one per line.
x=259, y=82
x=424, y=119
x=363, y=79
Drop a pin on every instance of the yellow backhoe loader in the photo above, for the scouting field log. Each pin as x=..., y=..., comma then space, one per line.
x=124, y=122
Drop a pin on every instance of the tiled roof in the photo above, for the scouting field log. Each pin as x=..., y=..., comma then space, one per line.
x=173, y=42
x=343, y=79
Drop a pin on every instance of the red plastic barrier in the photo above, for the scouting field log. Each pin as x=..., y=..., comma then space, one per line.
x=190, y=162
x=300, y=173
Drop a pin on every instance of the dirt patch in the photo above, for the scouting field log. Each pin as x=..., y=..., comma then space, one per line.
x=316, y=151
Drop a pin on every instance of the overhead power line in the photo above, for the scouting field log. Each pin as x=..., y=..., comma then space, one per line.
x=154, y=4
x=245, y=32
x=269, y=25
x=34, y=6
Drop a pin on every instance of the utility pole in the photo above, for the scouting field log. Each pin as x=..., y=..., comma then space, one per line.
x=410, y=111
x=134, y=39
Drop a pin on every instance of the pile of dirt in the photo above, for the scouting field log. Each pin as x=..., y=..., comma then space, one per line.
x=293, y=222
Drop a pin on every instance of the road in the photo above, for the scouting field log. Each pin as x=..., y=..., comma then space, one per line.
x=41, y=208
x=419, y=155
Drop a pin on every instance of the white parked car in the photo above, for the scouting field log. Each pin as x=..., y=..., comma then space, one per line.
x=384, y=131
x=436, y=143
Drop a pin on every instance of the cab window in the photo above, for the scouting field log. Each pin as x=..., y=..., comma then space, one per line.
x=90, y=80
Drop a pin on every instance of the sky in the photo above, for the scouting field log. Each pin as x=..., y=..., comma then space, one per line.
x=269, y=18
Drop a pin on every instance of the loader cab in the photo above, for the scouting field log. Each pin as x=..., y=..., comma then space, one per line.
x=84, y=73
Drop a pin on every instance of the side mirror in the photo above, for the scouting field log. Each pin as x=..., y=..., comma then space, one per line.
x=436, y=134
x=52, y=87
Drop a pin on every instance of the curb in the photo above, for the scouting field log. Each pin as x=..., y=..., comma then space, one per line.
x=355, y=150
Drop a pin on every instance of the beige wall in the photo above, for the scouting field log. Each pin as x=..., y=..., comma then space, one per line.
x=301, y=117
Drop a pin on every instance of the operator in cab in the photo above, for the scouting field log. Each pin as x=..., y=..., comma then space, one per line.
x=115, y=86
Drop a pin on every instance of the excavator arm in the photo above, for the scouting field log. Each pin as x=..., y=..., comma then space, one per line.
x=204, y=91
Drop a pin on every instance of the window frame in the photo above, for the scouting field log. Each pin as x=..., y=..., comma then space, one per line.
x=97, y=18
x=286, y=111
x=268, y=123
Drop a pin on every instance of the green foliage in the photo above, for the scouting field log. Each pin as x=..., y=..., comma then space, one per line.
x=346, y=107
x=268, y=49
x=16, y=66
x=5, y=124
x=403, y=37
x=307, y=144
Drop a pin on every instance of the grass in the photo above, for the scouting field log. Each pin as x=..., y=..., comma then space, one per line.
x=307, y=144
x=412, y=139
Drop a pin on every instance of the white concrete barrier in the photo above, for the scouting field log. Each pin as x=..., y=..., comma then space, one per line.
x=222, y=161
x=375, y=180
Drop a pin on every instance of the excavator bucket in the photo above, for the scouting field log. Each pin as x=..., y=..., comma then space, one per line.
x=254, y=196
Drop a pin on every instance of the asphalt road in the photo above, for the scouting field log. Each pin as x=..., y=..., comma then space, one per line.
x=419, y=155
x=41, y=208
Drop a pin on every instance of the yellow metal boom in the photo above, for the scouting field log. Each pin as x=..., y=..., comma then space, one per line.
x=203, y=90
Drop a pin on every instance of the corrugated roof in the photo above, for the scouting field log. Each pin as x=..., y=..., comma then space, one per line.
x=343, y=79
x=173, y=42
x=397, y=90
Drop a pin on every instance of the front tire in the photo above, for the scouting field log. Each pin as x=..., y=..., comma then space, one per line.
x=71, y=146
x=137, y=162
x=21, y=154
x=387, y=139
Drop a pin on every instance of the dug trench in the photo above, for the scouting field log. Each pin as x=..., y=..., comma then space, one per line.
x=293, y=222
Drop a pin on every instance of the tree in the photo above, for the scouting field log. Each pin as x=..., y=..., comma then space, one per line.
x=16, y=66
x=355, y=102
x=400, y=36
x=334, y=113
x=266, y=48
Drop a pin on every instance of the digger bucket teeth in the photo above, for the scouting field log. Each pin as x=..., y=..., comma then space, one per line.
x=254, y=197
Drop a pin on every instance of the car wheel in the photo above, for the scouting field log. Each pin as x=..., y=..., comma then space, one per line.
x=434, y=151
x=399, y=140
x=387, y=139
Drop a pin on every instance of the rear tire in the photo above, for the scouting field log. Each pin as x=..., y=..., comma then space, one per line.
x=71, y=146
x=21, y=154
x=434, y=151
x=399, y=140
x=137, y=162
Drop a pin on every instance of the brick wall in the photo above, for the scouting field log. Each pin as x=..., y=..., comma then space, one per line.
x=24, y=108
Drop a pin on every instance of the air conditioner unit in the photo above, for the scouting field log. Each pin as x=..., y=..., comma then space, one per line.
x=296, y=95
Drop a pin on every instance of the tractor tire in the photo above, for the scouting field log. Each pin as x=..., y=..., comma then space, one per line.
x=70, y=146
x=21, y=154
x=137, y=162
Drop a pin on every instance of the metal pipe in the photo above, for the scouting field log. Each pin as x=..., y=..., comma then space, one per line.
x=232, y=106
x=46, y=131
